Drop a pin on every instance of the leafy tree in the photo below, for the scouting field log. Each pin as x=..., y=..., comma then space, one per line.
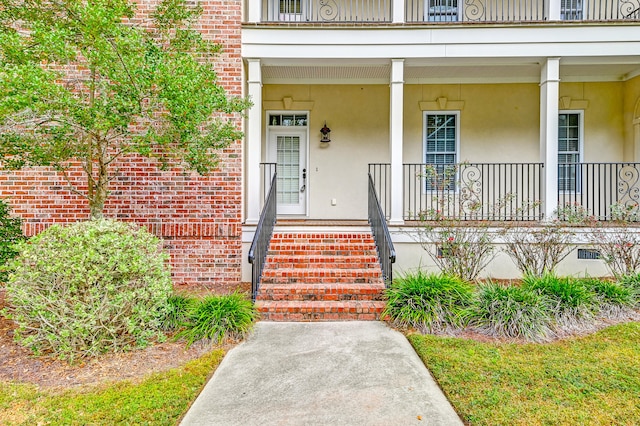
x=88, y=82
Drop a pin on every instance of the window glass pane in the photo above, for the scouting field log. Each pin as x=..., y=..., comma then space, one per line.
x=440, y=151
x=568, y=151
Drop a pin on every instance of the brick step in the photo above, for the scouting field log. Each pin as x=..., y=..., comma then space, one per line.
x=319, y=310
x=317, y=261
x=327, y=292
x=277, y=249
x=321, y=275
x=294, y=238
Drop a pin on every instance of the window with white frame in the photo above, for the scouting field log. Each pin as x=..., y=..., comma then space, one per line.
x=441, y=150
x=571, y=10
x=569, y=150
x=441, y=10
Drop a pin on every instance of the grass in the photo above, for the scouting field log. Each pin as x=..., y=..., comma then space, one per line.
x=160, y=399
x=593, y=380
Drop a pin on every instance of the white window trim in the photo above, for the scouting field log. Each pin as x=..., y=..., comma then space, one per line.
x=580, y=114
x=424, y=145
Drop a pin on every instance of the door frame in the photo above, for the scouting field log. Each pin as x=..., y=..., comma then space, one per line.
x=271, y=155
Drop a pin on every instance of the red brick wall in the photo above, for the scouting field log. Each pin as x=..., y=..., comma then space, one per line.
x=199, y=217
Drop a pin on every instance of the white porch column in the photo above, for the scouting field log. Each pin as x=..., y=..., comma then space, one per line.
x=553, y=10
x=549, y=92
x=253, y=12
x=397, y=11
x=253, y=136
x=395, y=140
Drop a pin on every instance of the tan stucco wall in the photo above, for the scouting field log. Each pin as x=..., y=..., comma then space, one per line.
x=499, y=123
x=631, y=109
x=603, y=119
x=358, y=117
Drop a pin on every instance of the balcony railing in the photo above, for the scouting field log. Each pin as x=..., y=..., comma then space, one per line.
x=327, y=11
x=600, y=191
x=447, y=11
x=473, y=191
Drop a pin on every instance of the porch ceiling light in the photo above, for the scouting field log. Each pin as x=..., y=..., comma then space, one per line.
x=325, y=133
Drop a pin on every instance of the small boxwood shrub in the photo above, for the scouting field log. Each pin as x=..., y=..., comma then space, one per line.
x=219, y=318
x=572, y=304
x=509, y=311
x=427, y=302
x=10, y=234
x=88, y=288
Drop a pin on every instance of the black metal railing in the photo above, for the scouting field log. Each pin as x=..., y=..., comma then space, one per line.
x=299, y=11
x=473, y=191
x=264, y=231
x=267, y=171
x=384, y=245
x=488, y=11
x=381, y=176
x=598, y=191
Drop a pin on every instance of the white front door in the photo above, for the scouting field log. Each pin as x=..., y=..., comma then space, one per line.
x=288, y=149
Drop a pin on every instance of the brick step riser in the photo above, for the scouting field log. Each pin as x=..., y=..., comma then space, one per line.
x=307, y=292
x=303, y=238
x=322, y=265
x=323, y=259
x=305, y=311
x=322, y=280
x=314, y=297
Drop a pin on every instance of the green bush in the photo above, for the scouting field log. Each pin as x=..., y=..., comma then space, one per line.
x=427, y=302
x=10, y=234
x=632, y=283
x=219, y=318
x=611, y=298
x=571, y=302
x=176, y=315
x=511, y=312
x=88, y=288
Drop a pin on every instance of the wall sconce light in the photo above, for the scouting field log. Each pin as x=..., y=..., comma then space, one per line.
x=325, y=133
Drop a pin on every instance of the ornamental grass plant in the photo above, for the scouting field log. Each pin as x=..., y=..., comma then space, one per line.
x=219, y=318
x=428, y=302
x=572, y=304
x=512, y=312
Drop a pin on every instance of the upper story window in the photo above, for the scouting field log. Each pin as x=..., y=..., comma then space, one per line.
x=441, y=150
x=290, y=10
x=571, y=10
x=441, y=10
x=569, y=150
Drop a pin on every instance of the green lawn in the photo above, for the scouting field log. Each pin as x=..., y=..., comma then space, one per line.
x=593, y=380
x=160, y=399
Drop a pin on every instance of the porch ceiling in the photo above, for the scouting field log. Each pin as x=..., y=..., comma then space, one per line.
x=450, y=71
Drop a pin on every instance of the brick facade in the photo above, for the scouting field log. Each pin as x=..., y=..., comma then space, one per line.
x=199, y=217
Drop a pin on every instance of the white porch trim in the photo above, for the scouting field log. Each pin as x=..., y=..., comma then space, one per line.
x=254, y=141
x=549, y=92
x=396, y=113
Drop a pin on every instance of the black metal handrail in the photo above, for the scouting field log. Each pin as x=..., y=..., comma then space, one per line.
x=600, y=191
x=264, y=231
x=473, y=191
x=381, y=236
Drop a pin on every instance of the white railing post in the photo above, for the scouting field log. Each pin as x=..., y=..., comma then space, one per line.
x=549, y=91
x=396, y=142
x=253, y=150
x=397, y=11
x=254, y=10
x=552, y=10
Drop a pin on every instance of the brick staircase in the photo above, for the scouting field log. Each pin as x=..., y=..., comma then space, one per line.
x=321, y=277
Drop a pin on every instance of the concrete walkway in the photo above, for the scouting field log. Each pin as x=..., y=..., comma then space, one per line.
x=323, y=373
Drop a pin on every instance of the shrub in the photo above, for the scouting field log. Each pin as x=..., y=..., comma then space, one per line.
x=177, y=312
x=612, y=298
x=511, y=312
x=571, y=302
x=619, y=248
x=632, y=283
x=10, y=234
x=88, y=288
x=427, y=302
x=460, y=250
x=537, y=251
x=219, y=318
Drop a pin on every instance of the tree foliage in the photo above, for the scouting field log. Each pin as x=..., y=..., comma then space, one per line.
x=91, y=81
